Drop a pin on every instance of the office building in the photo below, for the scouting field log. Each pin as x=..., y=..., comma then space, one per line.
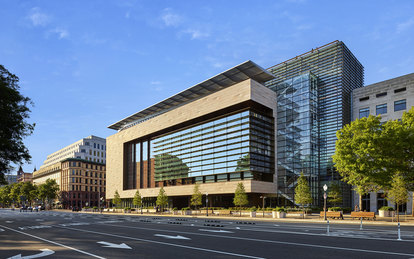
x=80, y=172
x=24, y=177
x=390, y=99
x=91, y=148
x=313, y=102
x=217, y=133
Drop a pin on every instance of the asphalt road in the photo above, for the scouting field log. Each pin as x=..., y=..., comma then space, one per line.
x=54, y=234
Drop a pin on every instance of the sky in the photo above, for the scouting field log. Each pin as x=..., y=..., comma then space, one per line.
x=89, y=64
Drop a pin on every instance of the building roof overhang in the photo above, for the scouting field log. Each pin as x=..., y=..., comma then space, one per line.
x=237, y=74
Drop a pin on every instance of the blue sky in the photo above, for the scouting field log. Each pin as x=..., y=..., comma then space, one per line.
x=88, y=64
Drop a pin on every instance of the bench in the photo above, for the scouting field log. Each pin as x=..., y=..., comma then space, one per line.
x=332, y=214
x=224, y=213
x=363, y=214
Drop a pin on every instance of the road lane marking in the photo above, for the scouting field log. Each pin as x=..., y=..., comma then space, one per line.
x=164, y=243
x=45, y=252
x=215, y=231
x=281, y=242
x=53, y=242
x=173, y=237
x=112, y=245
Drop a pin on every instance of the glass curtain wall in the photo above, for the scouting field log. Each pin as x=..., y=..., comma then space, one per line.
x=338, y=73
x=233, y=147
x=297, y=133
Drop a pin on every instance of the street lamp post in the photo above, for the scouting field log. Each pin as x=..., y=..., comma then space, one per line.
x=325, y=188
x=207, y=203
x=263, y=197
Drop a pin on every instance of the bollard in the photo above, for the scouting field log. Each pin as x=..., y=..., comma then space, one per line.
x=327, y=230
x=399, y=232
x=360, y=227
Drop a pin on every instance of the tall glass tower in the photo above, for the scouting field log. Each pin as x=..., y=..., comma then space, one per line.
x=314, y=101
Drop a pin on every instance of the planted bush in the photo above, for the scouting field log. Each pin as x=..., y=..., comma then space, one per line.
x=335, y=209
x=386, y=208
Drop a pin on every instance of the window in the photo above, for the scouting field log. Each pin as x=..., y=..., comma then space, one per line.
x=381, y=94
x=364, y=112
x=94, y=145
x=364, y=99
x=382, y=109
x=83, y=151
x=400, y=105
x=400, y=90
x=86, y=143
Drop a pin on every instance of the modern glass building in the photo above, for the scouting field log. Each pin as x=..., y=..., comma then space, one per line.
x=314, y=101
x=216, y=134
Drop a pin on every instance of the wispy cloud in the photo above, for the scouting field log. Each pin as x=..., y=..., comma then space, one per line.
x=405, y=25
x=170, y=18
x=196, y=34
x=61, y=33
x=155, y=82
x=38, y=18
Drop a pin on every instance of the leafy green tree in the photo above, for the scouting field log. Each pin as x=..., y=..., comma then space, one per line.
x=398, y=192
x=358, y=155
x=196, y=198
x=240, y=196
x=162, y=199
x=335, y=194
x=14, y=113
x=5, y=195
x=302, y=193
x=15, y=193
x=137, y=201
x=48, y=191
x=27, y=190
x=117, y=199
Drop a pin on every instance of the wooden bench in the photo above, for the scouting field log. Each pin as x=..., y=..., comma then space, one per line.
x=363, y=214
x=224, y=212
x=332, y=214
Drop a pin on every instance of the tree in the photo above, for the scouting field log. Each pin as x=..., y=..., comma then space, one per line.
x=5, y=195
x=335, y=194
x=398, y=192
x=196, y=199
x=240, y=196
x=137, y=201
x=28, y=190
x=15, y=193
x=162, y=199
x=14, y=112
x=117, y=199
x=302, y=193
x=48, y=191
x=358, y=155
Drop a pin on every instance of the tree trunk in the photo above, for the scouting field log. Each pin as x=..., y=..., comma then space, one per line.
x=360, y=202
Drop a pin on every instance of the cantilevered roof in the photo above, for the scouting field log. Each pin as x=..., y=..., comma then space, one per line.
x=234, y=75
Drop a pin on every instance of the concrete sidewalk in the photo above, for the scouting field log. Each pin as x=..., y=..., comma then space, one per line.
x=405, y=220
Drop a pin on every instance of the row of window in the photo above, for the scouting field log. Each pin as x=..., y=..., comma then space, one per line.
x=382, y=108
x=75, y=187
x=383, y=94
x=91, y=181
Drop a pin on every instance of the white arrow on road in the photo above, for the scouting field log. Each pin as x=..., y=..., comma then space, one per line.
x=172, y=237
x=45, y=252
x=216, y=231
x=2, y=230
x=111, y=245
x=9, y=221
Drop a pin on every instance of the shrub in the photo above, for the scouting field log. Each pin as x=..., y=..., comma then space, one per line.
x=386, y=208
x=127, y=208
x=95, y=208
x=279, y=209
x=253, y=208
x=185, y=209
x=334, y=209
x=175, y=209
x=347, y=210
